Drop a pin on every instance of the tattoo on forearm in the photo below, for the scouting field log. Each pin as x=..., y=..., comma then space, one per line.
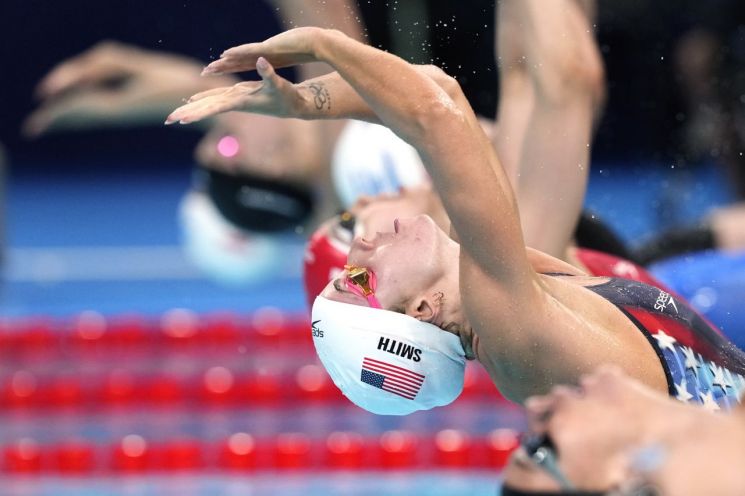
x=321, y=96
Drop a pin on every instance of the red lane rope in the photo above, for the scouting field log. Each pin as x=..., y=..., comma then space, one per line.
x=214, y=386
x=177, y=329
x=242, y=451
x=119, y=361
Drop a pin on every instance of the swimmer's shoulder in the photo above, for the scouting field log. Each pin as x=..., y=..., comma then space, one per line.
x=544, y=263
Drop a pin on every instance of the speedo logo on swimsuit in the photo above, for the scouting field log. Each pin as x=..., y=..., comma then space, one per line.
x=401, y=349
x=663, y=301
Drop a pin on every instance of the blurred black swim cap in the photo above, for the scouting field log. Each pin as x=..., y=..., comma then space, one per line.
x=257, y=204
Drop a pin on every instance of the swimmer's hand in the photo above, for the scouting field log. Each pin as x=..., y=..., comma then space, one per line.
x=293, y=47
x=273, y=95
x=114, y=84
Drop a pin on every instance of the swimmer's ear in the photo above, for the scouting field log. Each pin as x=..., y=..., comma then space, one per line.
x=425, y=308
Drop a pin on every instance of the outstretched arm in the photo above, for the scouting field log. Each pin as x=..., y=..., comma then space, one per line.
x=310, y=100
x=457, y=153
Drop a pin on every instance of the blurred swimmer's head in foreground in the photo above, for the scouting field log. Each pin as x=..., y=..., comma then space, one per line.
x=614, y=435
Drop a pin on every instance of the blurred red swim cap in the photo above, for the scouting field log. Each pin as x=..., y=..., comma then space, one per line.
x=324, y=259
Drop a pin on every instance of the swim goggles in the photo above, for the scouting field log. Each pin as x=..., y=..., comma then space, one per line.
x=542, y=452
x=362, y=282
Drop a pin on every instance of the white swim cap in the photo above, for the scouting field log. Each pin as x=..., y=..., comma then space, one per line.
x=223, y=252
x=386, y=362
x=370, y=159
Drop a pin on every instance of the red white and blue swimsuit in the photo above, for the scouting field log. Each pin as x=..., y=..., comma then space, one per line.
x=700, y=364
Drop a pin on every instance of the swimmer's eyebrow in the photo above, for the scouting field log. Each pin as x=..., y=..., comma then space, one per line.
x=337, y=286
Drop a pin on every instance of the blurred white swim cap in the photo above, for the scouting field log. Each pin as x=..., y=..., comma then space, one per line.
x=370, y=159
x=386, y=362
x=223, y=252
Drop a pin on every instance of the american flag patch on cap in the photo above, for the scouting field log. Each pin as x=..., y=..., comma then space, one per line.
x=391, y=378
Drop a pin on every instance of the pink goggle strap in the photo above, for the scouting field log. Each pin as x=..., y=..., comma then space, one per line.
x=365, y=288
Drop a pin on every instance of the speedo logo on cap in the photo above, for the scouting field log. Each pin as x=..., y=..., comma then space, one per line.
x=401, y=349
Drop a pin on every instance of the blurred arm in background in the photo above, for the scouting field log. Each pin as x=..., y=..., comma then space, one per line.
x=114, y=84
x=552, y=88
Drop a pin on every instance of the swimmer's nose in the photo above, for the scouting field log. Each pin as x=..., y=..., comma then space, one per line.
x=360, y=243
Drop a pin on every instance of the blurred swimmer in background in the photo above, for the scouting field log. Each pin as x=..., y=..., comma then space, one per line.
x=259, y=177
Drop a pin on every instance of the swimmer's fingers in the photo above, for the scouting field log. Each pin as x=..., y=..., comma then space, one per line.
x=230, y=64
x=543, y=410
x=75, y=111
x=251, y=86
x=290, y=48
x=246, y=60
x=204, y=94
x=137, y=102
x=271, y=96
x=273, y=83
x=230, y=98
x=538, y=411
x=104, y=62
x=196, y=111
x=74, y=74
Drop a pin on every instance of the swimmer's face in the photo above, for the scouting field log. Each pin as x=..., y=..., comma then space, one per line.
x=262, y=145
x=407, y=261
x=371, y=214
x=365, y=218
x=599, y=431
x=375, y=214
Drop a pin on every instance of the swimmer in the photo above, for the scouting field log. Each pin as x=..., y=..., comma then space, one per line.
x=403, y=303
x=613, y=435
x=540, y=86
x=232, y=241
